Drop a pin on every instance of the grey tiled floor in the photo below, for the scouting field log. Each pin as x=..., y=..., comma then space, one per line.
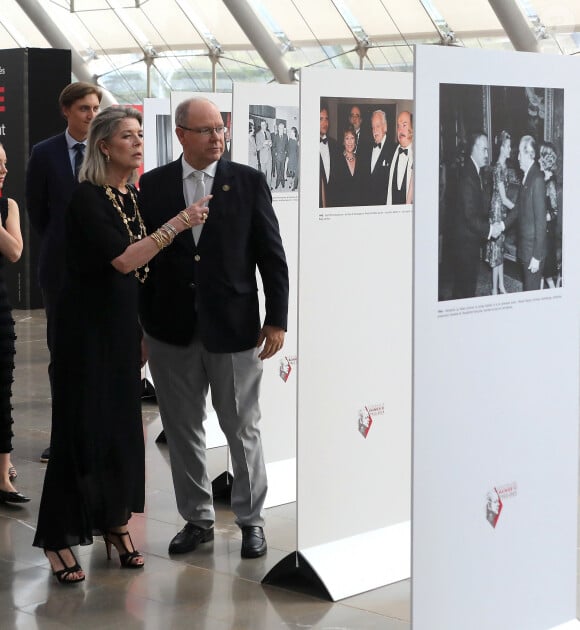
x=211, y=589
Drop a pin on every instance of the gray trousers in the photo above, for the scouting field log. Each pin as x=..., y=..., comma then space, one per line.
x=182, y=376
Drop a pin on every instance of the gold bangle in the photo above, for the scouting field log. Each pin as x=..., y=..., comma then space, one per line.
x=167, y=234
x=185, y=218
x=157, y=240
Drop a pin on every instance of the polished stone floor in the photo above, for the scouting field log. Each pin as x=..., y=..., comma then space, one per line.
x=210, y=589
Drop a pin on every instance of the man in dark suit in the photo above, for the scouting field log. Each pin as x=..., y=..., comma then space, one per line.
x=280, y=151
x=264, y=148
x=199, y=308
x=530, y=210
x=401, y=172
x=377, y=161
x=472, y=219
x=51, y=178
x=227, y=144
x=362, y=139
x=327, y=163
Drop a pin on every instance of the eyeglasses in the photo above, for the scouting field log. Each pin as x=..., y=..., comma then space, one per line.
x=204, y=131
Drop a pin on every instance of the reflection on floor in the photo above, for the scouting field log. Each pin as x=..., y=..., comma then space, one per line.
x=210, y=589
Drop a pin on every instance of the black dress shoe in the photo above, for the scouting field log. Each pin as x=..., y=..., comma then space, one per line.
x=189, y=538
x=45, y=455
x=12, y=497
x=253, y=542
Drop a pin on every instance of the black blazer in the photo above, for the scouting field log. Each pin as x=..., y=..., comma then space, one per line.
x=530, y=212
x=330, y=185
x=211, y=288
x=50, y=183
x=377, y=181
x=472, y=220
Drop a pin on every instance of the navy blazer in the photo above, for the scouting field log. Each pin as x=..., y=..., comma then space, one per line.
x=211, y=288
x=50, y=183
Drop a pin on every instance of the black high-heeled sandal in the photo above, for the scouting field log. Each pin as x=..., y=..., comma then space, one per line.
x=62, y=575
x=128, y=558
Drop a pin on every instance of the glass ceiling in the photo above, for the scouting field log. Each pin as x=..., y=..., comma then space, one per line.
x=176, y=43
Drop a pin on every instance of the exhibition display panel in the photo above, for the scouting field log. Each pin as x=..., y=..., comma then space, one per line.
x=495, y=391
x=276, y=109
x=354, y=345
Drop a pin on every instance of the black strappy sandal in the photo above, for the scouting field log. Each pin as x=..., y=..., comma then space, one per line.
x=129, y=556
x=62, y=575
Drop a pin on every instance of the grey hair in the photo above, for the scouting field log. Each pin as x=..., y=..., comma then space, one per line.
x=103, y=126
x=528, y=143
x=182, y=110
x=381, y=114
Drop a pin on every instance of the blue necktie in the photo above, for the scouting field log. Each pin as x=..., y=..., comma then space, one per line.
x=79, y=148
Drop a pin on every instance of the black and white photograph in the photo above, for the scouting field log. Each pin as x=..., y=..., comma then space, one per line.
x=500, y=190
x=366, y=152
x=227, y=118
x=273, y=145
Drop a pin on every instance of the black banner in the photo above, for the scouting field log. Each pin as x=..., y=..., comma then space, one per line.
x=31, y=80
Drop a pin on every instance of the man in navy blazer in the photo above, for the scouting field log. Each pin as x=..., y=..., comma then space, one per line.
x=199, y=309
x=50, y=182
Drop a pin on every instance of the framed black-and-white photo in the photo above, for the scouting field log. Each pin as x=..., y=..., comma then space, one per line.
x=273, y=145
x=501, y=167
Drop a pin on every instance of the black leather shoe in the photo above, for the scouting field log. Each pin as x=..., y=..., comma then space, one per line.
x=45, y=456
x=253, y=542
x=189, y=538
x=12, y=497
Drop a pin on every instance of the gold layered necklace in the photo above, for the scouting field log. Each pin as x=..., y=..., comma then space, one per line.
x=142, y=272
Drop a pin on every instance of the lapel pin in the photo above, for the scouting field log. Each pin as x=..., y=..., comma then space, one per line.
x=225, y=187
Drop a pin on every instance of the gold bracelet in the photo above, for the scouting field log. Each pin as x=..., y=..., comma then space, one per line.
x=157, y=240
x=167, y=234
x=185, y=218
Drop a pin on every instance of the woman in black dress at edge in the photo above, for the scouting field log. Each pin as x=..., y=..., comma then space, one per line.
x=95, y=479
x=10, y=250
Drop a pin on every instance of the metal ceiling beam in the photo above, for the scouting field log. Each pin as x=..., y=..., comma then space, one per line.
x=44, y=23
x=255, y=31
x=515, y=25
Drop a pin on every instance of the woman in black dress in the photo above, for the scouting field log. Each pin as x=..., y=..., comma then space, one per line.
x=10, y=250
x=347, y=190
x=95, y=478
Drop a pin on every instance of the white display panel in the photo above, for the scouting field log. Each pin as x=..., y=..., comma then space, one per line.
x=354, y=339
x=158, y=132
x=495, y=402
x=278, y=105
